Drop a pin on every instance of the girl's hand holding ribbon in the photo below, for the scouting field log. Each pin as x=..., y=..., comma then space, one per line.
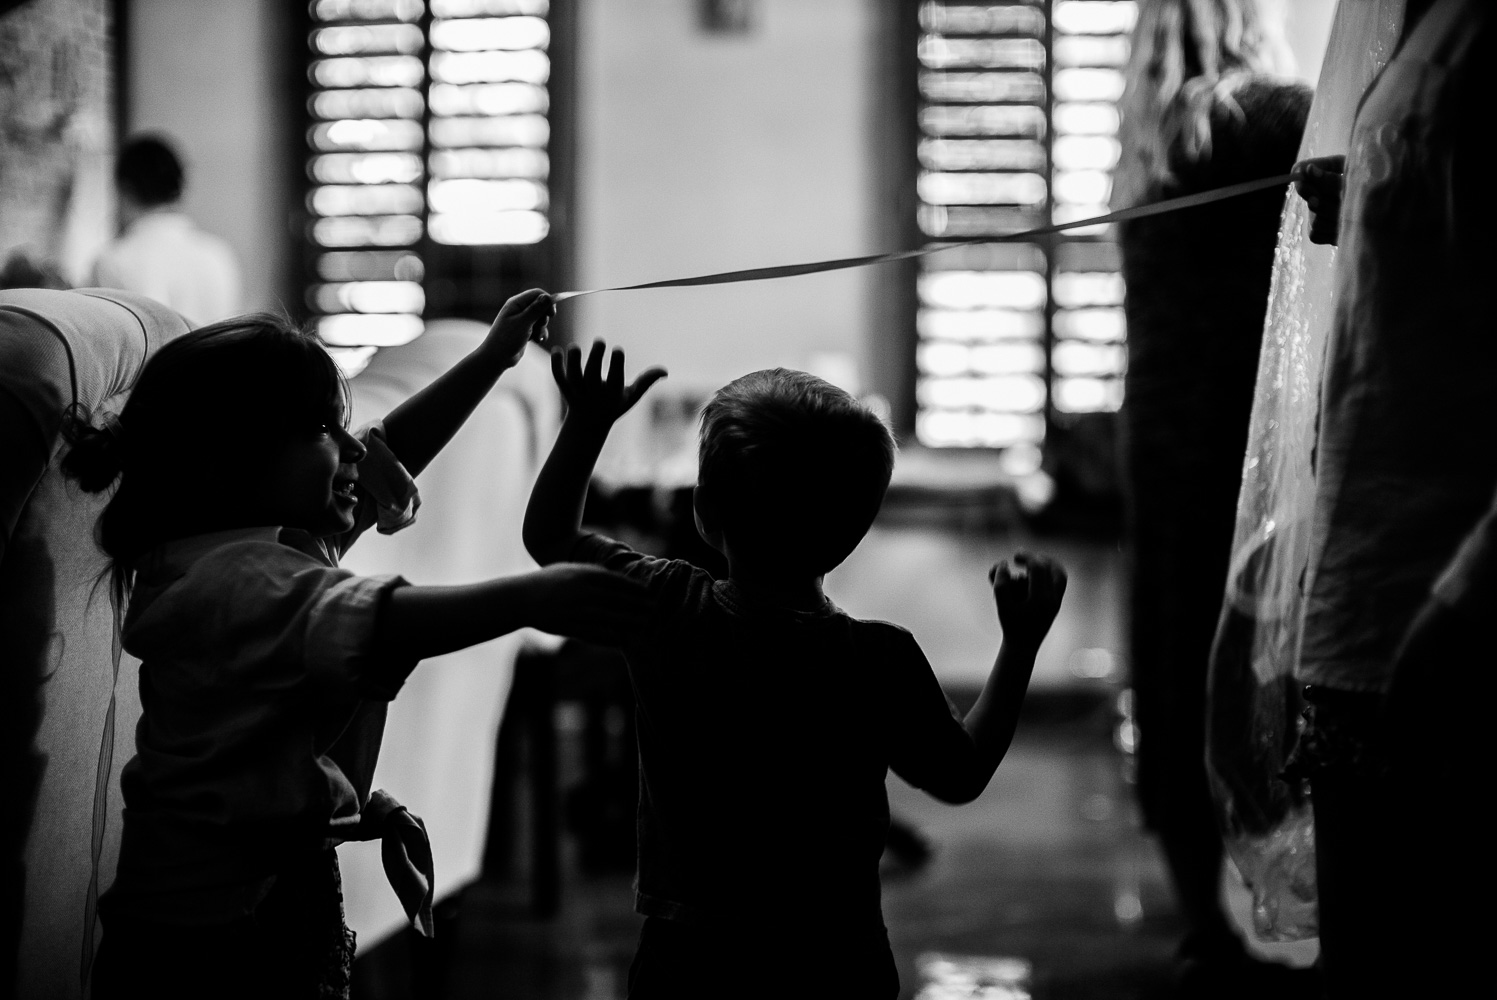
x=523, y=319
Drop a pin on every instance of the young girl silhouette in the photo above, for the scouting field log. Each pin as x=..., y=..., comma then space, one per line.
x=266, y=669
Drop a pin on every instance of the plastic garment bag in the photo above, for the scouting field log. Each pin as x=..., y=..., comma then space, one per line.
x=1254, y=702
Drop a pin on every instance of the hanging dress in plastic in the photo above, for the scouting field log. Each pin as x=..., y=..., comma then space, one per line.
x=1253, y=701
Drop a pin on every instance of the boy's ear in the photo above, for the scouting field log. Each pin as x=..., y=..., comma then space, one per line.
x=702, y=507
x=709, y=526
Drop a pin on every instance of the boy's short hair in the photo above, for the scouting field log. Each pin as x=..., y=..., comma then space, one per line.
x=149, y=171
x=794, y=468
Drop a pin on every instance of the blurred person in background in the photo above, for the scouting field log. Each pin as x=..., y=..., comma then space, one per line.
x=160, y=253
x=1202, y=109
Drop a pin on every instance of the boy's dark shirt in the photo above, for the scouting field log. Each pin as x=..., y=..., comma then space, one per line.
x=765, y=736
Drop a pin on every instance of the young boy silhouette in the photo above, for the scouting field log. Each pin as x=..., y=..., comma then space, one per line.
x=758, y=699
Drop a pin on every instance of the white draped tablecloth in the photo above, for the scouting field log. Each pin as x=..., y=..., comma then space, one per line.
x=438, y=752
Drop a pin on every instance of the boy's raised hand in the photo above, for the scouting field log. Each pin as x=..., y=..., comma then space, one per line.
x=522, y=319
x=1028, y=590
x=592, y=396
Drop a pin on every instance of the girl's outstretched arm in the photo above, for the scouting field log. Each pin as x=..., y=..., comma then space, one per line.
x=585, y=602
x=421, y=426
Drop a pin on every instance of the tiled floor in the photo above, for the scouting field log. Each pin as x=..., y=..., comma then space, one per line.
x=1047, y=869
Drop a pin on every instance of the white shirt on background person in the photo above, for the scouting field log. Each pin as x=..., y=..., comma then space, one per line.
x=164, y=256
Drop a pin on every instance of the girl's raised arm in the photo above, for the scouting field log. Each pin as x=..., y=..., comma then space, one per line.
x=421, y=426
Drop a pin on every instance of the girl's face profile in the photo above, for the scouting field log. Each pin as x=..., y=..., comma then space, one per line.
x=309, y=482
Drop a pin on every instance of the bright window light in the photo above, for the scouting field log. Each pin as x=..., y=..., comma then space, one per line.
x=489, y=228
x=1085, y=152
x=1003, y=147
x=380, y=102
x=977, y=325
x=357, y=39
x=511, y=130
x=1008, y=19
x=366, y=168
x=529, y=66
x=358, y=330
x=1088, y=289
x=1088, y=395
x=1084, y=187
x=1086, y=119
x=367, y=10
x=1104, y=325
x=458, y=197
x=978, y=189
x=982, y=154
x=479, y=34
x=352, y=360
x=488, y=99
x=943, y=358
x=532, y=163
x=1075, y=17
x=1009, y=394
x=370, y=297
x=356, y=199
x=980, y=289
x=371, y=134
x=1088, y=84
x=938, y=52
x=1008, y=359
x=370, y=265
x=970, y=220
x=1072, y=357
x=958, y=429
x=352, y=231
x=368, y=71
x=481, y=8
x=1082, y=50
x=982, y=87
x=947, y=359
x=983, y=119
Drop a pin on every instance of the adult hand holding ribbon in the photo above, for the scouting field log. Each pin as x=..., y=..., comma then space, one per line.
x=841, y=263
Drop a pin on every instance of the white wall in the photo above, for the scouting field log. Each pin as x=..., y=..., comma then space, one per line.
x=203, y=71
x=701, y=153
x=1307, y=28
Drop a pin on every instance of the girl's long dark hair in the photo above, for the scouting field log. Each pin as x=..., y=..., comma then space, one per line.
x=207, y=404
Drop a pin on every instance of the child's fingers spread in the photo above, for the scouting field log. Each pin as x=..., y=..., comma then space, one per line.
x=616, y=370
x=641, y=385
x=559, y=367
x=594, y=369
x=1054, y=576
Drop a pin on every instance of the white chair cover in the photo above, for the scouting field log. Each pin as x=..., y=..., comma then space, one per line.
x=438, y=751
